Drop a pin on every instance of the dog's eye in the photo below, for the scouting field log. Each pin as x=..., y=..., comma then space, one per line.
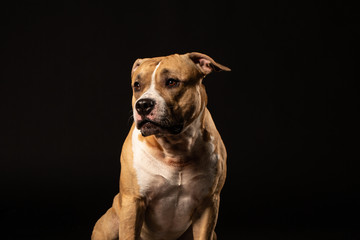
x=136, y=86
x=172, y=82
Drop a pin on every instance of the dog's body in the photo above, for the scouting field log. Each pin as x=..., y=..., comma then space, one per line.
x=173, y=162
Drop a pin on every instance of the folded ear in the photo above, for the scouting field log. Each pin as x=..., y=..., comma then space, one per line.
x=136, y=65
x=206, y=63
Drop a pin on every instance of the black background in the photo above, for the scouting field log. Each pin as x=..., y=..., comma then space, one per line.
x=287, y=111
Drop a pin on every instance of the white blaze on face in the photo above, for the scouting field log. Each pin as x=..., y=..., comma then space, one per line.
x=153, y=75
x=153, y=94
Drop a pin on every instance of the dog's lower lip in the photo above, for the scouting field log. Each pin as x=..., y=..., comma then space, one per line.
x=175, y=129
x=143, y=122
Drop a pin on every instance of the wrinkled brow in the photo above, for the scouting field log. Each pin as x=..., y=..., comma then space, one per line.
x=165, y=71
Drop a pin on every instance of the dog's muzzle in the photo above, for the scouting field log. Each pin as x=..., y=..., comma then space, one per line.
x=150, y=124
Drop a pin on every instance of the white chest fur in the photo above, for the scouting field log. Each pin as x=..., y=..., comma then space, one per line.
x=172, y=194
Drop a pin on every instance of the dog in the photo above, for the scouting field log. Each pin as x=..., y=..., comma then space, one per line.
x=173, y=161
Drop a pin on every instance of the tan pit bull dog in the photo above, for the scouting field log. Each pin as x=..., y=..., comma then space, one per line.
x=173, y=161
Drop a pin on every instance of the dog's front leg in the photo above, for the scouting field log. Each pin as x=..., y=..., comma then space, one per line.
x=205, y=218
x=131, y=217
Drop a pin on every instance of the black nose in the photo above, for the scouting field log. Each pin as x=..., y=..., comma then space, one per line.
x=144, y=106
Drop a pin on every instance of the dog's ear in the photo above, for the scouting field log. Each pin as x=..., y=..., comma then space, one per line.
x=136, y=65
x=206, y=63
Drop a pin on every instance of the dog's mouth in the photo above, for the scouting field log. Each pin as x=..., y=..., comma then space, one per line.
x=148, y=127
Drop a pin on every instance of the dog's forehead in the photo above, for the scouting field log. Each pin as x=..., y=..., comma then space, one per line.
x=175, y=63
x=149, y=65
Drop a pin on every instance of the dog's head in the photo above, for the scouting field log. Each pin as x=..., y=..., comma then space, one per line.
x=168, y=94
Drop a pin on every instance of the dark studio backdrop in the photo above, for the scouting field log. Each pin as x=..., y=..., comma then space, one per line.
x=286, y=111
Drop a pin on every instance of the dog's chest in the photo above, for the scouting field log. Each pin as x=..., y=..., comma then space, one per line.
x=172, y=194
